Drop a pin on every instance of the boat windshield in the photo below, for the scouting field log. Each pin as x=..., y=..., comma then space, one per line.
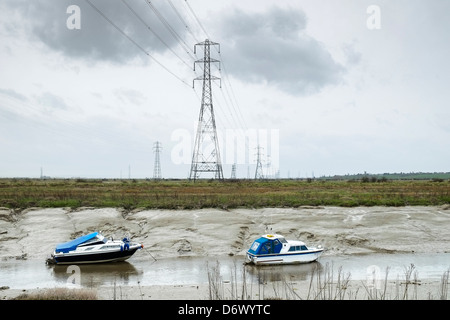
x=282, y=240
x=93, y=241
x=255, y=246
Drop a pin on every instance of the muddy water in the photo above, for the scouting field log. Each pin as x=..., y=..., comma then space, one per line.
x=144, y=271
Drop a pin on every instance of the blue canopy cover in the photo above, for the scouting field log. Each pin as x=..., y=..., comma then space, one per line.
x=265, y=246
x=72, y=245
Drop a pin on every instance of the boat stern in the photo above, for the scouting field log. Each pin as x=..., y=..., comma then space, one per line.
x=50, y=260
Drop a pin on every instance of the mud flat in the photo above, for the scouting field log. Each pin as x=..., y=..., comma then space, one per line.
x=31, y=234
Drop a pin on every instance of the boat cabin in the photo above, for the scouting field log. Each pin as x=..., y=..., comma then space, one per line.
x=89, y=239
x=275, y=249
x=268, y=244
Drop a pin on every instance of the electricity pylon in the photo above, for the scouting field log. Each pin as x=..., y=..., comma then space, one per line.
x=259, y=170
x=233, y=171
x=157, y=168
x=202, y=159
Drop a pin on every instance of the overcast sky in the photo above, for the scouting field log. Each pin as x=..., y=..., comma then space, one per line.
x=327, y=87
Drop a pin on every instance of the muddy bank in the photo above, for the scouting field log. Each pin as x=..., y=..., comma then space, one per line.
x=29, y=236
x=33, y=233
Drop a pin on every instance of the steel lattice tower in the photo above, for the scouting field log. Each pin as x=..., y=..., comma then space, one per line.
x=233, y=171
x=157, y=168
x=203, y=160
x=259, y=171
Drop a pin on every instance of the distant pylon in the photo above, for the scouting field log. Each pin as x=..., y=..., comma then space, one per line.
x=206, y=130
x=157, y=168
x=259, y=171
x=233, y=171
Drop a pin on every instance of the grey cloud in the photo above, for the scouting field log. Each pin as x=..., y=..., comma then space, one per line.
x=130, y=96
x=273, y=47
x=13, y=94
x=51, y=101
x=46, y=21
x=353, y=56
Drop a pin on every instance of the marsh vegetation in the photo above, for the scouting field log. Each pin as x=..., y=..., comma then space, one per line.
x=183, y=194
x=327, y=284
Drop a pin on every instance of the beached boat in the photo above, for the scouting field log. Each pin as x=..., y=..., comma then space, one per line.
x=275, y=249
x=93, y=248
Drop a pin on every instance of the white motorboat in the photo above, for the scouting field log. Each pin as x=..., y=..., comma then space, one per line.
x=93, y=248
x=275, y=249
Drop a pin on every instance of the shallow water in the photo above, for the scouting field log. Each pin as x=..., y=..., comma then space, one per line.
x=142, y=269
x=352, y=236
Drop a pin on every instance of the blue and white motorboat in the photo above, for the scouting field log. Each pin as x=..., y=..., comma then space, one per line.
x=275, y=249
x=93, y=248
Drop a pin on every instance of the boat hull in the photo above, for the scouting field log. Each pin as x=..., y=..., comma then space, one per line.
x=284, y=258
x=100, y=257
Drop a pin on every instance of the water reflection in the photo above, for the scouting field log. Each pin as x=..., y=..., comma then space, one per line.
x=94, y=275
x=295, y=272
x=25, y=274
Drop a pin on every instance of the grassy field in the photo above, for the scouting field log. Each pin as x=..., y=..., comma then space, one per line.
x=183, y=194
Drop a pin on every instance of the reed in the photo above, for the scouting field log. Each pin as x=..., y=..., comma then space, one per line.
x=215, y=282
x=59, y=294
x=324, y=284
x=443, y=287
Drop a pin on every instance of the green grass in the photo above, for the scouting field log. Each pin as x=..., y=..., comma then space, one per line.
x=182, y=194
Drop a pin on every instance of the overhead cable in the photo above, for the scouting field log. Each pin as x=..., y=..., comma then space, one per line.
x=169, y=27
x=197, y=19
x=134, y=42
x=154, y=33
x=183, y=21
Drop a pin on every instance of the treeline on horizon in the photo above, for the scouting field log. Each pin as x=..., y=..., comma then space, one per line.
x=364, y=177
x=369, y=177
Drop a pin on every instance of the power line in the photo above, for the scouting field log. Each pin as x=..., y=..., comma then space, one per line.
x=231, y=96
x=197, y=19
x=169, y=27
x=227, y=92
x=237, y=120
x=237, y=108
x=182, y=21
x=134, y=42
x=234, y=115
x=154, y=33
